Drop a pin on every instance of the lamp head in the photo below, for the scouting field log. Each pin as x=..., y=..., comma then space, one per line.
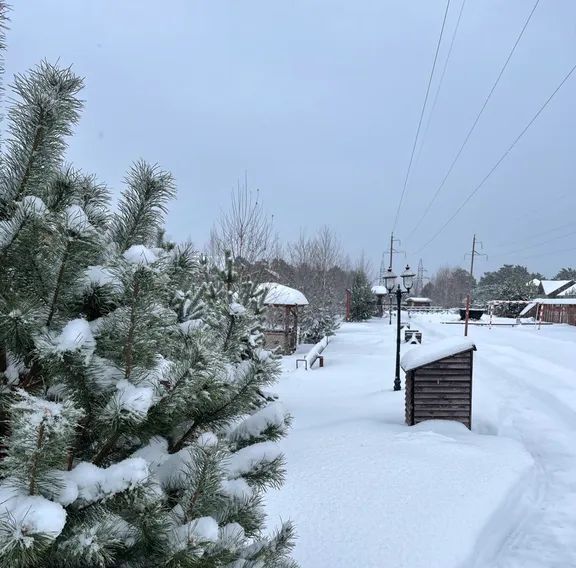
x=390, y=280
x=407, y=278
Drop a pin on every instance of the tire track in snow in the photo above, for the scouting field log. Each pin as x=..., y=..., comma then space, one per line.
x=539, y=525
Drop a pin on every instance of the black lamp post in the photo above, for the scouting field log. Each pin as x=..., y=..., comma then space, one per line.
x=394, y=287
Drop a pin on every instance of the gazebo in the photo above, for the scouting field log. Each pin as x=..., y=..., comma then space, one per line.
x=282, y=319
x=380, y=292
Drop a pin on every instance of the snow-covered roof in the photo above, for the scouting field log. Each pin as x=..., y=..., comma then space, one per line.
x=556, y=301
x=280, y=295
x=569, y=291
x=379, y=290
x=423, y=354
x=559, y=286
x=527, y=309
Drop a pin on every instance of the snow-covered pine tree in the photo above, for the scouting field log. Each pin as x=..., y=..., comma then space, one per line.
x=362, y=301
x=135, y=429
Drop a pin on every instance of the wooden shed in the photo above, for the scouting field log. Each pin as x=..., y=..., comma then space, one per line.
x=282, y=318
x=439, y=381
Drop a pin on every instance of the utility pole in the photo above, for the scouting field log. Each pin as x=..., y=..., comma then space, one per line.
x=473, y=256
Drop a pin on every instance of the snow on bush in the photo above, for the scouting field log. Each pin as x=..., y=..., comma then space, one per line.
x=75, y=335
x=201, y=530
x=133, y=399
x=98, y=275
x=237, y=488
x=140, y=254
x=34, y=205
x=77, y=220
x=29, y=515
x=95, y=483
x=237, y=309
x=272, y=415
x=252, y=457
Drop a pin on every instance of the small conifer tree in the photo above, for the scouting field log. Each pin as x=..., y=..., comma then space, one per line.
x=136, y=429
x=362, y=301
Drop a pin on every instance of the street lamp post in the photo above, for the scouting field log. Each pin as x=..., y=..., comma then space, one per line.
x=393, y=286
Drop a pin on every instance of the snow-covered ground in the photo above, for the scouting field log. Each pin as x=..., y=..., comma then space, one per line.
x=365, y=490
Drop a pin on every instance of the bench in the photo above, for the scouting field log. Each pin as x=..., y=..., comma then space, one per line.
x=404, y=325
x=412, y=336
x=315, y=354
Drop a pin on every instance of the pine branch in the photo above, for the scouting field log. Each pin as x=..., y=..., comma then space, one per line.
x=38, y=137
x=35, y=459
x=101, y=455
x=58, y=284
x=180, y=444
x=143, y=205
x=129, y=347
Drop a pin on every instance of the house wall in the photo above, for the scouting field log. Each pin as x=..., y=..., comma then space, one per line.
x=559, y=313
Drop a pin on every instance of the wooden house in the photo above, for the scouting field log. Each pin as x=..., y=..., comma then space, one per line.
x=552, y=310
x=439, y=381
x=557, y=288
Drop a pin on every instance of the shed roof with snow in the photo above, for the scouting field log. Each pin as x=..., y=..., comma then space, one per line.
x=280, y=295
x=423, y=355
x=379, y=290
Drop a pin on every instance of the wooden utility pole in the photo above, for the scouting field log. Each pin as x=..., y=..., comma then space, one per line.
x=473, y=255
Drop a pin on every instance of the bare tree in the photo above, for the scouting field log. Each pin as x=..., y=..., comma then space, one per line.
x=449, y=286
x=314, y=265
x=246, y=231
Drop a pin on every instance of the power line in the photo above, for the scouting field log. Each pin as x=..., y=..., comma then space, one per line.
x=500, y=160
x=536, y=245
x=536, y=235
x=476, y=120
x=547, y=253
x=441, y=79
x=421, y=116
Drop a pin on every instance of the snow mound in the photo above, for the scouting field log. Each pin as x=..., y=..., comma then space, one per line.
x=278, y=294
x=424, y=354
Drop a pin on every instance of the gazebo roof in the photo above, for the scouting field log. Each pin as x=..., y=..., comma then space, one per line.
x=280, y=295
x=379, y=290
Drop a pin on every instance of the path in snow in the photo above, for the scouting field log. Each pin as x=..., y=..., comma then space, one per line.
x=366, y=490
x=525, y=388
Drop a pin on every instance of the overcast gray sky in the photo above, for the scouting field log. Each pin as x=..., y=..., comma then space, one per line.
x=319, y=100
